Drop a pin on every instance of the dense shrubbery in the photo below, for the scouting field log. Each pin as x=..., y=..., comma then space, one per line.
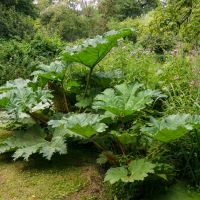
x=21, y=6
x=176, y=72
x=14, y=24
x=23, y=44
x=20, y=58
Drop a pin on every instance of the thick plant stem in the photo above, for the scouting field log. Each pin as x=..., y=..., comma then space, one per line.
x=59, y=97
x=88, y=81
x=122, y=120
x=120, y=146
x=99, y=146
x=65, y=101
x=154, y=151
x=112, y=158
x=39, y=117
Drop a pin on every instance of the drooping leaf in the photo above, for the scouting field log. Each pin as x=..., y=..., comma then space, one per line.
x=57, y=144
x=33, y=140
x=84, y=124
x=6, y=89
x=124, y=99
x=136, y=170
x=92, y=51
x=172, y=127
x=23, y=139
x=17, y=83
x=26, y=152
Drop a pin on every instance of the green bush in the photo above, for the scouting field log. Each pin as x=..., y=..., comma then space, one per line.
x=21, y=6
x=13, y=23
x=20, y=58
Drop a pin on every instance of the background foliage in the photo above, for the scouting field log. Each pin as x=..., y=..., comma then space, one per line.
x=136, y=99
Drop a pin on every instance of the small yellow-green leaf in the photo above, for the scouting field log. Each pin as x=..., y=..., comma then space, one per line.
x=162, y=176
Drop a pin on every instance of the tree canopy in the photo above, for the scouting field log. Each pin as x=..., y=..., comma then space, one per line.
x=24, y=6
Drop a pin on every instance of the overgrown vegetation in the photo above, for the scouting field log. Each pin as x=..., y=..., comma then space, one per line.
x=131, y=93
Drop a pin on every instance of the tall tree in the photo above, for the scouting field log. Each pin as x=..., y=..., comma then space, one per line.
x=177, y=20
x=63, y=20
x=121, y=9
x=14, y=21
x=72, y=20
x=24, y=6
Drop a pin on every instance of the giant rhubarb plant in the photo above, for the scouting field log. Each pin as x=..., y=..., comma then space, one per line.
x=92, y=51
x=54, y=75
x=125, y=99
x=19, y=96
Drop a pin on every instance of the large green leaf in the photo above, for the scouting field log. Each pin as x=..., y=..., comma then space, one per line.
x=124, y=99
x=33, y=140
x=23, y=98
x=92, y=51
x=136, y=170
x=139, y=169
x=172, y=127
x=115, y=174
x=5, y=90
x=84, y=124
x=17, y=83
x=23, y=139
x=55, y=71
